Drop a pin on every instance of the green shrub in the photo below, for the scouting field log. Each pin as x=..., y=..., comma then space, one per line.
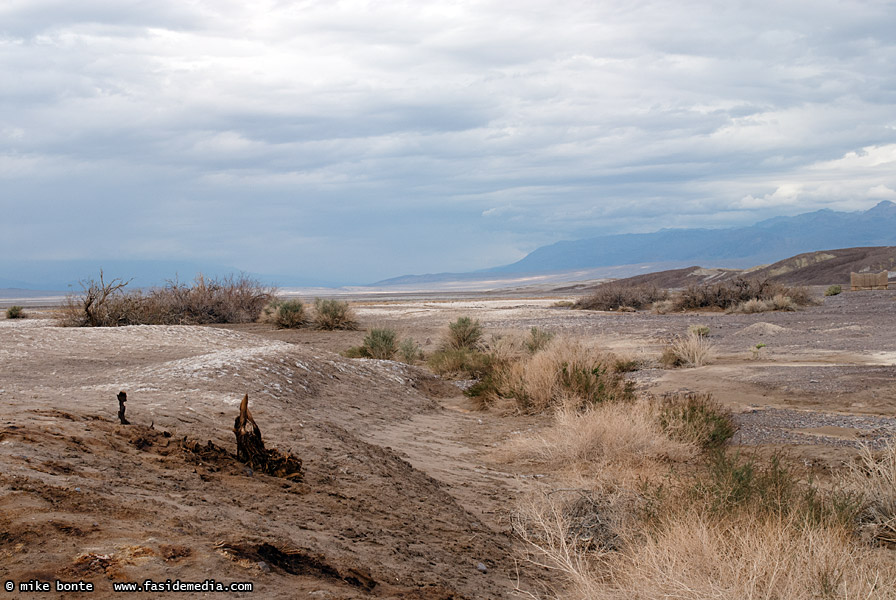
x=696, y=418
x=287, y=314
x=463, y=334
x=833, y=290
x=334, y=314
x=699, y=330
x=538, y=339
x=380, y=343
x=614, y=296
x=409, y=351
x=15, y=312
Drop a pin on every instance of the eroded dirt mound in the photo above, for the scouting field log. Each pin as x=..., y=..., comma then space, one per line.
x=83, y=497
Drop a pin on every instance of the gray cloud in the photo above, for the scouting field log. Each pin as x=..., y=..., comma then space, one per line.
x=382, y=138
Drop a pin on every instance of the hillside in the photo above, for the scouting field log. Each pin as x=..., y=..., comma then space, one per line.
x=824, y=267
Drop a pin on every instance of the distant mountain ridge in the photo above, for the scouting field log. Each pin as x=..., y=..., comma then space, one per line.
x=766, y=241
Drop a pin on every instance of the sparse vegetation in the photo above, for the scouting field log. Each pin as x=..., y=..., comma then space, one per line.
x=874, y=478
x=699, y=330
x=691, y=350
x=286, y=314
x=463, y=334
x=538, y=339
x=15, y=312
x=614, y=296
x=833, y=290
x=695, y=418
x=220, y=300
x=741, y=295
x=334, y=314
x=380, y=343
x=409, y=351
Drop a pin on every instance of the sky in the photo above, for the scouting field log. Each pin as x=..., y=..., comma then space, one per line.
x=350, y=141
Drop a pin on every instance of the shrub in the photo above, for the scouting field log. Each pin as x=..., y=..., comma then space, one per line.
x=695, y=418
x=380, y=343
x=459, y=362
x=699, y=330
x=286, y=314
x=833, y=290
x=614, y=296
x=463, y=334
x=334, y=314
x=734, y=295
x=567, y=373
x=219, y=300
x=15, y=312
x=874, y=477
x=690, y=350
x=538, y=339
x=409, y=351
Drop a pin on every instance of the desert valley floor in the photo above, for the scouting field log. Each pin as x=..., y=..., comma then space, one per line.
x=407, y=493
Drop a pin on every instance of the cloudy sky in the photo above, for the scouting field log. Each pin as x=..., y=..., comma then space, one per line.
x=352, y=141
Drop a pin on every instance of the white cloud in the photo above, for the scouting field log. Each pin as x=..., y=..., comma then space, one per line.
x=533, y=121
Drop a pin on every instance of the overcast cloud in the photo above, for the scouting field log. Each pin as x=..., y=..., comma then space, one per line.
x=352, y=141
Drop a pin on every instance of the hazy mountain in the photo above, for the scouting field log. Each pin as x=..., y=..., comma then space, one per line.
x=764, y=242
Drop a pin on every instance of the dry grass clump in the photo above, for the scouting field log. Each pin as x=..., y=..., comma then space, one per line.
x=742, y=295
x=332, y=314
x=691, y=350
x=874, y=477
x=614, y=296
x=602, y=436
x=695, y=418
x=232, y=299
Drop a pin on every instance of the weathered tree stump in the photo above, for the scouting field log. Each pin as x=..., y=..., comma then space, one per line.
x=122, y=398
x=250, y=448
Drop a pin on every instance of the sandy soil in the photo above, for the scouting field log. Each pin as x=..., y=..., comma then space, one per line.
x=401, y=497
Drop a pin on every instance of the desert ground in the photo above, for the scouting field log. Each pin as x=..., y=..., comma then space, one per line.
x=406, y=491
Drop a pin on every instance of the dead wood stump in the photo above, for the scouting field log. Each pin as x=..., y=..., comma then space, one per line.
x=250, y=448
x=122, y=398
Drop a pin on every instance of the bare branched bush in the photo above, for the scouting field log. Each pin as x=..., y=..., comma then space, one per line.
x=615, y=296
x=334, y=314
x=219, y=300
x=737, y=293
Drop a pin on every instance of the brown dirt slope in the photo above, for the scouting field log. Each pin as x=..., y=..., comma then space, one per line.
x=85, y=498
x=825, y=267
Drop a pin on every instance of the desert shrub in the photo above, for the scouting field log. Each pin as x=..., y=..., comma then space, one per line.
x=463, y=334
x=737, y=293
x=695, y=418
x=459, y=363
x=626, y=364
x=691, y=350
x=409, y=351
x=874, y=478
x=15, y=312
x=614, y=296
x=566, y=373
x=219, y=300
x=601, y=435
x=334, y=314
x=833, y=290
x=538, y=339
x=699, y=330
x=380, y=343
x=286, y=314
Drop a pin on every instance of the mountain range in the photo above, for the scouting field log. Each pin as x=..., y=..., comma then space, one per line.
x=765, y=242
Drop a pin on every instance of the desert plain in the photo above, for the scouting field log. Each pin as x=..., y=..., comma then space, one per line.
x=407, y=491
